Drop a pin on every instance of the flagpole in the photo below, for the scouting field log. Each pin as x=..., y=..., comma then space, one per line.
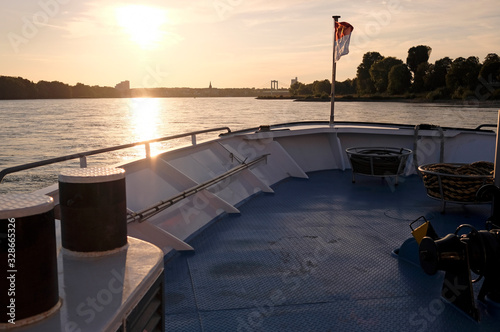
x=334, y=69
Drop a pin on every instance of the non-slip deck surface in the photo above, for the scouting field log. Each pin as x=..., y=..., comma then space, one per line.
x=317, y=256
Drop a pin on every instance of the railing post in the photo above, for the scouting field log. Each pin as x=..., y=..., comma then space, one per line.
x=193, y=139
x=83, y=162
x=148, y=150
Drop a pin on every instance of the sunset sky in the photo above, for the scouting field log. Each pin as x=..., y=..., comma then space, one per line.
x=231, y=43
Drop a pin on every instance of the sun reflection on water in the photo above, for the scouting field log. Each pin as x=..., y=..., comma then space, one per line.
x=145, y=118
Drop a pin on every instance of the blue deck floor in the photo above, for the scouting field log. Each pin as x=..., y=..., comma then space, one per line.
x=316, y=256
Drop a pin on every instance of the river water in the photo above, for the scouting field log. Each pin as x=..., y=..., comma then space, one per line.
x=33, y=130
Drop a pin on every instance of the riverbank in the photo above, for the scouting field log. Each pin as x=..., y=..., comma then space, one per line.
x=325, y=98
x=379, y=98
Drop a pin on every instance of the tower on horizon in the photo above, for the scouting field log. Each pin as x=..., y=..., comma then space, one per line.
x=210, y=85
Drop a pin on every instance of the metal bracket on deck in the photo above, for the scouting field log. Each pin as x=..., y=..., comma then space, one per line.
x=153, y=210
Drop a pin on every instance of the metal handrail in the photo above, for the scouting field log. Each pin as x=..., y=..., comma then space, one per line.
x=279, y=125
x=146, y=213
x=326, y=123
x=83, y=155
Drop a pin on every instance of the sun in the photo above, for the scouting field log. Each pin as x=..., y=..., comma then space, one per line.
x=143, y=24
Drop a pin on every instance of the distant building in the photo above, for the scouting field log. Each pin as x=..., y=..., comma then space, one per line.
x=123, y=85
x=210, y=85
x=294, y=80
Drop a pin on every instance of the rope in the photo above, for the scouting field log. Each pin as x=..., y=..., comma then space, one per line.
x=378, y=161
x=456, y=182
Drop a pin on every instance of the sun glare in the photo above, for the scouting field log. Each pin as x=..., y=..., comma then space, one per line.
x=143, y=24
x=145, y=120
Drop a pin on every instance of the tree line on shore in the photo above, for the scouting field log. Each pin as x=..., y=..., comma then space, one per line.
x=379, y=76
x=21, y=88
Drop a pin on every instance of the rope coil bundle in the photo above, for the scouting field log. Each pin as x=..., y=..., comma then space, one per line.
x=378, y=161
x=456, y=182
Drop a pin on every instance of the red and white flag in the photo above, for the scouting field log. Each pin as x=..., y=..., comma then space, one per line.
x=343, y=37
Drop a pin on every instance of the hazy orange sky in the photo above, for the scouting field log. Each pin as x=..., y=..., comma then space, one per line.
x=232, y=43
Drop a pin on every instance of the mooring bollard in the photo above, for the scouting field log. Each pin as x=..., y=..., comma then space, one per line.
x=28, y=254
x=93, y=209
